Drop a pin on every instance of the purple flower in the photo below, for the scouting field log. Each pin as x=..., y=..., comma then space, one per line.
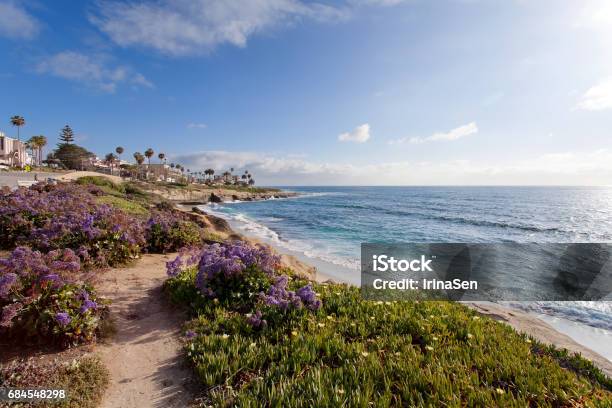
x=231, y=261
x=256, y=321
x=88, y=304
x=9, y=312
x=6, y=283
x=309, y=297
x=51, y=277
x=173, y=268
x=278, y=296
x=189, y=334
x=63, y=318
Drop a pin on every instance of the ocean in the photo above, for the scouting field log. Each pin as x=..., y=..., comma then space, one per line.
x=328, y=224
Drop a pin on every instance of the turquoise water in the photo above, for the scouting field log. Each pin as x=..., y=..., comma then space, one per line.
x=330, y=223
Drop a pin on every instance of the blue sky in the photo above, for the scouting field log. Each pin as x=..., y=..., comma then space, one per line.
x=298, y=92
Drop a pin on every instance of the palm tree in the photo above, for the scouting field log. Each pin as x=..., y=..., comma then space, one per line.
x=119, y=151
x=110, y=159
x=139, y=158
x=41, y=142
x=18, y=121
x=149, y=153
x=172, y=165
x=161, y=157
x=37, y=143
x=251, y=181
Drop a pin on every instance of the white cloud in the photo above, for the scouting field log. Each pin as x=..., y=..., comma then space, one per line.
x=90, y=70
x=360, y=134
x=598, y=97
x=584, y=168
x=197, y=126
x=16, y=22
x=187, y=27
x=457, y=133
x=594, y=14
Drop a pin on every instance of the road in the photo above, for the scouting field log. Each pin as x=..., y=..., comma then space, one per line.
x=10, y=178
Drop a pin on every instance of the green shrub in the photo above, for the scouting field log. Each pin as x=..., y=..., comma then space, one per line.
x=101, y=182
x=66, y=316
x=84, y=379
x=358, y=353
x=165, y=237
x=128, y=206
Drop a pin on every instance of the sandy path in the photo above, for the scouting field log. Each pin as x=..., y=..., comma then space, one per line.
x=143, y=357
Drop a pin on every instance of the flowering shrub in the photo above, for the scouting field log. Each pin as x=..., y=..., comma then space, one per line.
x=49, y=217
x=171, y=230
x=279, y=296
x=188, y=257
x=40, y=295
x=242, y=278
x=235, y=272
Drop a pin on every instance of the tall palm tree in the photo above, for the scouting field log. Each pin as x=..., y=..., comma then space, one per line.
x=36, y=143
x=139, y=158
x=18, y=121
x=42, y=142
x=161, y=157
x=110, y=159
x=149, y=153
x=119, y=150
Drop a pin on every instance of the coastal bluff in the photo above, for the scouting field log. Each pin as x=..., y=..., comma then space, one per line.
x=201, y=194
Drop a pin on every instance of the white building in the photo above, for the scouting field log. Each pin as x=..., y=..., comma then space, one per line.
x=13, y=152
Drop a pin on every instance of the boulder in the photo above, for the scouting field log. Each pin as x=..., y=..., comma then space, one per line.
x=215, y=198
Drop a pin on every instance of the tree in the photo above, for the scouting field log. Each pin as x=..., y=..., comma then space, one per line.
x=36, y=143
x=72, y=156
x=139, y=158
x=161, y=157
x=67, y=135
x=251, y=181
x=119, y=150
x=172, y=165
x=41, y=141
x=18, y=121
x=110, y=159
x=149, y=153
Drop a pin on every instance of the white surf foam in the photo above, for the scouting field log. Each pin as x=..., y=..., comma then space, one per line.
x=248, y=226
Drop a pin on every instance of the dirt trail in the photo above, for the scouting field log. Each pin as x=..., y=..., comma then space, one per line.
x=143, y=357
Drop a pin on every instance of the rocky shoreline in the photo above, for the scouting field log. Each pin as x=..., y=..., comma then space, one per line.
x=199, y=196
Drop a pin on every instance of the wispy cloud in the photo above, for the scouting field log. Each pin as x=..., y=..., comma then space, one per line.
x=94, y=71
x=197, y=126
x=186, y=27
x=594, y=14
x=452, y=135
x=360, y=134
x=16, y=22
x=581, y=168
x=598, y=97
